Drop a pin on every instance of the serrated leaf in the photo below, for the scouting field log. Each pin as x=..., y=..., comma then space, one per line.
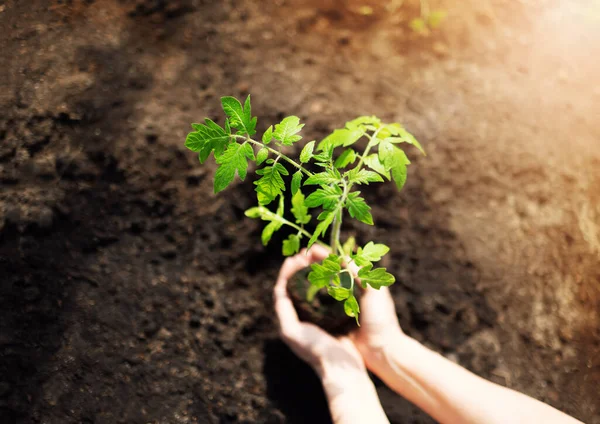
x=360, y=261
x=363, y=176
x=296, y=182
x=271, y=184
x=269, y=230
x=348, y=247
x=299, y=209
x=389, y=130
x=291, y=245
x=338, y=293
x=207, y=138
x=326, y=219
x=347, y=157
x=399, y=174
x=286, y=131
x=372, y=161
x=323, y=178
x=404, y=136
x=358, y=208
x=351, y=308
x=364, y=122
x=239, y=117
x=343, y=137
x=372, y=252
x=322, y=274
x=307, y=152
x=234, y=159
x=394, y=159
x=376, y=278
x=262, y=155
x=268, y=135
x=327, y=196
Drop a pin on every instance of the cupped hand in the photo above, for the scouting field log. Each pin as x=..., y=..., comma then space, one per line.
x=378, y=323
x=326, y=354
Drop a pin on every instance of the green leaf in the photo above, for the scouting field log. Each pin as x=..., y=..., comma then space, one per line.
x=349, y=245
x=262, y=155
x=268, y=135
x=286, y=131
x=406, y=137
x=207, y=138
x=323, y=178
x=326, y=219
x=271, y=184
x=351, y=308
x=307, y=152
x=299, y=209
x=399, y=173
x=360, y=261
x=232, y=160
x=327, y=196
x=322, y=274
x=358, y=208
x=376, y=278
x=296, y=181
x=394, y=159
x=363, y=176
x=280, y=207
x=291, y=245
x=372, y=161
x=239, y=117
x=372, y=252
x=338, y=293
x=311, y=293
x=347, y=157
x=343, y=137
x=254, y=212
x=269, y=230
x=364, y=123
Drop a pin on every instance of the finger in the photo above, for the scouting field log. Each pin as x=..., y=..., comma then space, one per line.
x=284, y=308
x=317, y=253
x=291, y=265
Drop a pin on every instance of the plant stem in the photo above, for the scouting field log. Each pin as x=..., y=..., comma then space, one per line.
x=337, y=220
x=281, y=219
x=366, y=152
x=279, y=154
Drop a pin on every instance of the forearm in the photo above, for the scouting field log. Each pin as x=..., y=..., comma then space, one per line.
x=450, y=393
x=352, y=397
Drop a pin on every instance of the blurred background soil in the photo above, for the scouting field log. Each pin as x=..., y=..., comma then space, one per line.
x=129, y=293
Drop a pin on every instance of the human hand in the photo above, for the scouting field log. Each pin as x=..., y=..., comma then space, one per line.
x=379, y=327
x=350, y=392
x=326, y=354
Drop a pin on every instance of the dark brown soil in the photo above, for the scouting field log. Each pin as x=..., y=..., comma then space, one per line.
x=130, y=294
x=322, y=310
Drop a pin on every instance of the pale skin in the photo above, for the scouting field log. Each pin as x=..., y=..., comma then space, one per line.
x=444, y=390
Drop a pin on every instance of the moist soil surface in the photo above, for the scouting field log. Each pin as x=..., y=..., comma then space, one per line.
x=129, y=293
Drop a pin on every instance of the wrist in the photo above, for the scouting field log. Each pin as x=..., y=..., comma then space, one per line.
x=378, y=355
x=351, y=395
x=339, y=378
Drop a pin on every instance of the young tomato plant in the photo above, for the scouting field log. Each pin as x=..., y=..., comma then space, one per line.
x=341, y=169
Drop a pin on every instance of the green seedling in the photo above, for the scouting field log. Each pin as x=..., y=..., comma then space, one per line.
x=331, y=170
